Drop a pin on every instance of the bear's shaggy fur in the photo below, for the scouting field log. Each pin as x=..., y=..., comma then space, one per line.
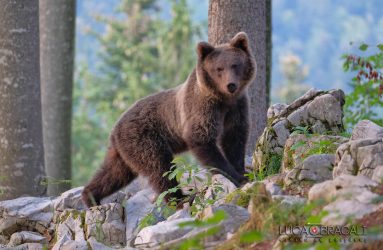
x=207, y=115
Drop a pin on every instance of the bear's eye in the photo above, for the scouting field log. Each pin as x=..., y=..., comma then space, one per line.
x=219, y=69
x=234, y=66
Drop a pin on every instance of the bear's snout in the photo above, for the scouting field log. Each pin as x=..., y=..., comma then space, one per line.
x=232, y=87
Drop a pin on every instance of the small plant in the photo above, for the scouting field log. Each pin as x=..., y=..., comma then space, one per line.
x=251, y=176
x=188, y=177
x=272, y=166
x=300, y=130
x=365, y=100
x=315, y=147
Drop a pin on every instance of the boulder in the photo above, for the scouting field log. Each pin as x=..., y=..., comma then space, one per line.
x=235, y=217
x=136, y=208
x=366, y=129
x=138, y=184
x=95, y=245
x=342, y=186
x=275, y=110
x=378, y=174
x=348, y=197
x=25, y=213
x=26, y=237
x=27, y=246
x=314, y=169
x=289, y=200
x=248, y=162
x=320, y=111
x=72, y=245
x=106, y=224
x=181, y=214
x=162, y=232
x=69, y=227
x=71, y=199
x=359, y=157
x=272, y=187
x=340, y=212
x=224, y=185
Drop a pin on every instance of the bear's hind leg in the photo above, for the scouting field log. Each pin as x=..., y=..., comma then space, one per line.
x=152, y=158
x=113, y=175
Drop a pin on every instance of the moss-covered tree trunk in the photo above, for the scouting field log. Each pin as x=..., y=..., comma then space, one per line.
x=226, y=18
x=21, y=141
x=57, y=22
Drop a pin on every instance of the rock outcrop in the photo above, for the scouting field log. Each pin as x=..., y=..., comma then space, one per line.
x=348, y=198
x=318, y=111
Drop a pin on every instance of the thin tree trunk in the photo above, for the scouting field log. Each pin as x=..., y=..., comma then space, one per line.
x=21, y=141
x=57, y=22
x=228, y=17
x=269, y=48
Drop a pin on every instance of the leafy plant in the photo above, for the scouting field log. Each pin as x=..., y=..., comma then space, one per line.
x=315, y=147
x=365, y=100
x=273, y=166
x=322, y=147
x=300, y=130
x=188, y=176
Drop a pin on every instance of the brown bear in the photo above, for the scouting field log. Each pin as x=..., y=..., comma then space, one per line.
x=208, y=115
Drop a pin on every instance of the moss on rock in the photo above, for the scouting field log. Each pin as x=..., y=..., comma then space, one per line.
x=241, y=197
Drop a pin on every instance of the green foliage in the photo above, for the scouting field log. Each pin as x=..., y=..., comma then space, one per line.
x=316, y=147
x=322, y=147
x=365, y=100
x=242, y=197
x=146, y=221
x=271, y=166
x=251, y=176
x=251, y=237
x=300, y=130
x=187, y=175
x=141, y=54
x=325, y=146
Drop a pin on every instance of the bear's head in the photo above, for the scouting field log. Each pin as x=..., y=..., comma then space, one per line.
x=227, y=69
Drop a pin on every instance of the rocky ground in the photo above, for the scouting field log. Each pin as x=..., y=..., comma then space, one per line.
x=305, y=172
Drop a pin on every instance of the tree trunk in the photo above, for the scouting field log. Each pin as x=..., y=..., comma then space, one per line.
x=228, y=17
x=57, y=22
x=21, y=141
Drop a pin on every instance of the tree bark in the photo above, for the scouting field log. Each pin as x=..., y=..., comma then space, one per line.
x=21, y=141
x=57, y=22
x=228, y=17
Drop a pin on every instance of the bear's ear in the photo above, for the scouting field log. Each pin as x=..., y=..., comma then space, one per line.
x=204, y=49
x=240, y=41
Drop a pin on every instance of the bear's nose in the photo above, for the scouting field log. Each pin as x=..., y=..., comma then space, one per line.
x=232, y=87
